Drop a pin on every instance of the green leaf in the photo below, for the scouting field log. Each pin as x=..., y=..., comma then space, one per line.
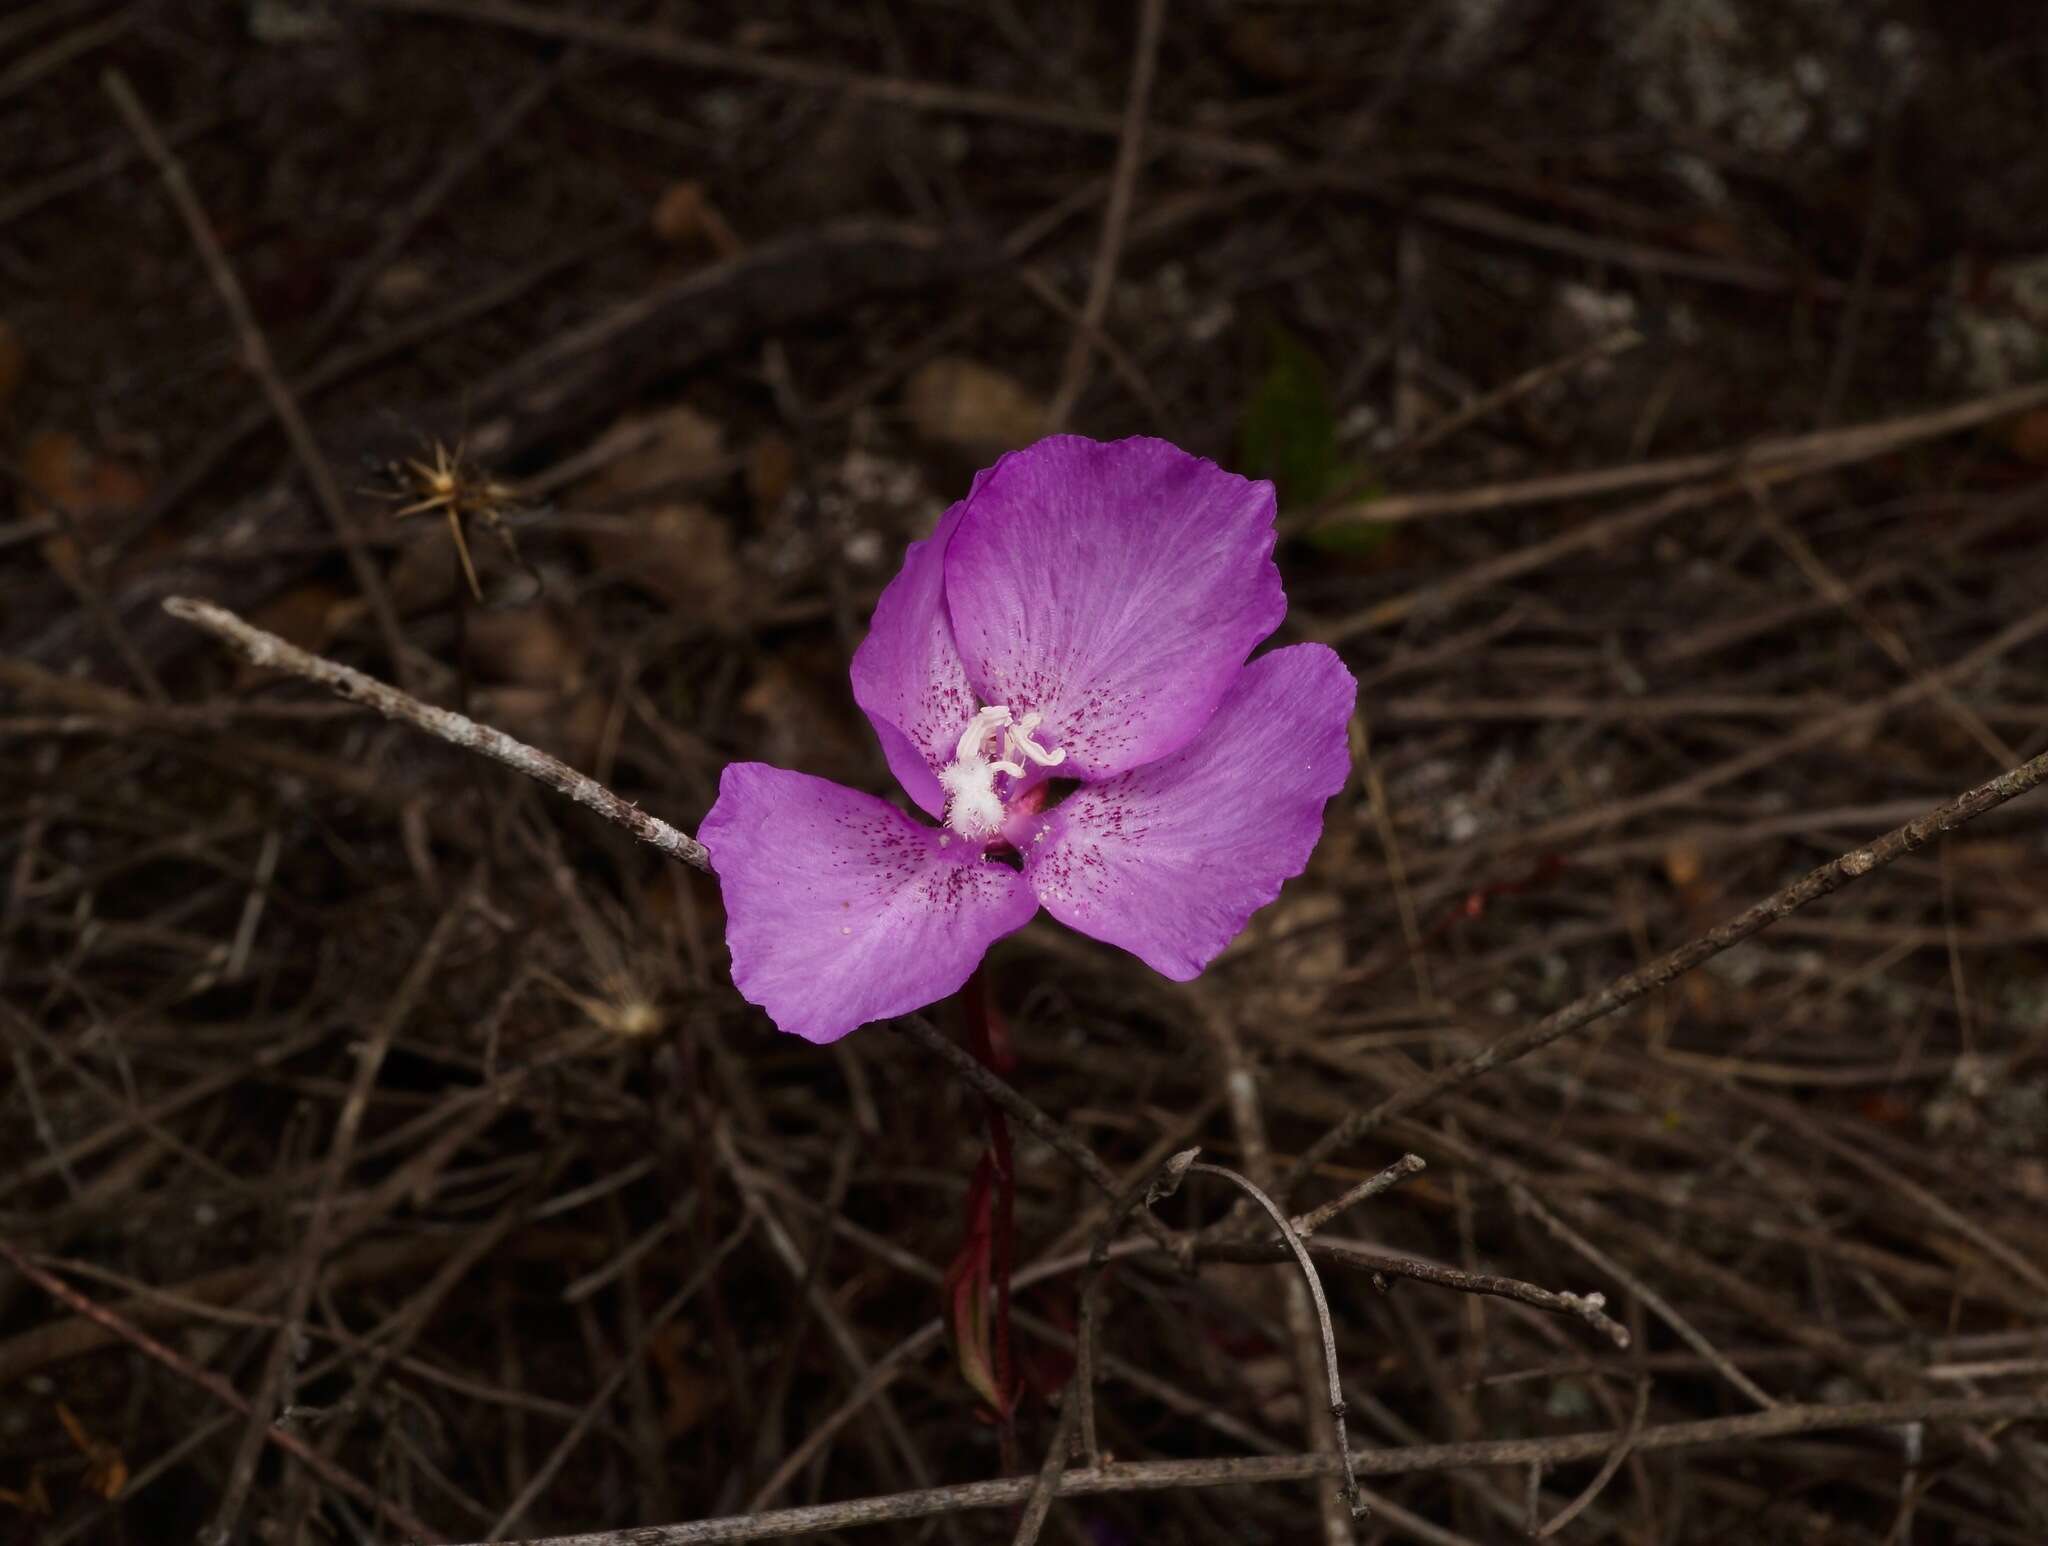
x=1351, y=537
x=1289, y=429
x=1288, y=433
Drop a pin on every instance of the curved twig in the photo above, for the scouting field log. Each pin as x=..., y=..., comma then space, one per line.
x=1315, y=1290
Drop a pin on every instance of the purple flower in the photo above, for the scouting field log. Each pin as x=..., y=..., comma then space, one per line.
x=1078, y=622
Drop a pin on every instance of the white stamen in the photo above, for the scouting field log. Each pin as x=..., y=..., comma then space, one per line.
x=973, y=808
x=978, y=730
x=1018, y=739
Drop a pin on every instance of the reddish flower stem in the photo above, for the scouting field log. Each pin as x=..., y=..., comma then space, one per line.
x=988, y=1040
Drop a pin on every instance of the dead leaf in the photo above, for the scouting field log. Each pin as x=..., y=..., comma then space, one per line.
x=1301, y=939
x=1702, y=995
x=685, y=216
x=640, y=527
x=106, y=1473
x=1272, y=1387
x=679, y=553
x=530, y=647
x=2026, y=437
x=1991, y=855
x=63, y=470
x=1683, y=865
x=692, y=1393
x=771, y=470
x=426, y=573
x=1685, y=868
x=89, y=492
x=972, y=407
x=649, y=453
x=2030, y=1178
x=401, y=287
x=1269, y=48
x=309, y=615
x=32, y=1499
x=799, y=717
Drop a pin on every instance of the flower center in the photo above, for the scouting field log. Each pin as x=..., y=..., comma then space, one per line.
x=995, y=741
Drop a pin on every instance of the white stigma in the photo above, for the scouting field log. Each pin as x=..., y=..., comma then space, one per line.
x=973, y=808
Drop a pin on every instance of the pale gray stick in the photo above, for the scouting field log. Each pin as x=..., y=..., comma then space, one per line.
x=272, y=653
x=1306, y=1224
x=1315, y=1289
x=1623, y=991
x=1237, y=1471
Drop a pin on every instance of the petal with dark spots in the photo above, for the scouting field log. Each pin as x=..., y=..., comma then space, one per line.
x=840, y=909
x=907, y=676
x=1114, y=587
x=1171, y=860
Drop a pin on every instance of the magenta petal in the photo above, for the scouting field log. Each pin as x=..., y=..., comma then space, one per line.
x=840, y=909
x=1171, y=860
x=907, y=676
x=1114, y=587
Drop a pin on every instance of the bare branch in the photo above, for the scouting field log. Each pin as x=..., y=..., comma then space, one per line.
x=988, y=1083
x=1407, y=1165
x=213, y=1385
x=269, y=651
x=1590, y=1308
x=1161, y=1475
x=1623, y=1447
x=1116, y=215
x=1294, y=1243
x=1147, y=1189
x=1623, y=991
x=257, y=357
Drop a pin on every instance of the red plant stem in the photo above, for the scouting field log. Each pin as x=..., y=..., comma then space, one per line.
x=982, y=1042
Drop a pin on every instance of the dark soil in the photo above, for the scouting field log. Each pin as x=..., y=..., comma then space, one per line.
x=707, y=309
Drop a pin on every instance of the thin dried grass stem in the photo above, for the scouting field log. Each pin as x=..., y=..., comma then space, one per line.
x=1294, y=1243
x=1235, y=1471
x=1623, y=991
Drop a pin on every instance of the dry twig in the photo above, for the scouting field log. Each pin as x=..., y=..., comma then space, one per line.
x=1798, y=455
x=267, y=650
x=1295, y=1245
x=1623, y=991
x=256, y=354
x=1157, y=1476
x=214, y=1386
x=1116, y=215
